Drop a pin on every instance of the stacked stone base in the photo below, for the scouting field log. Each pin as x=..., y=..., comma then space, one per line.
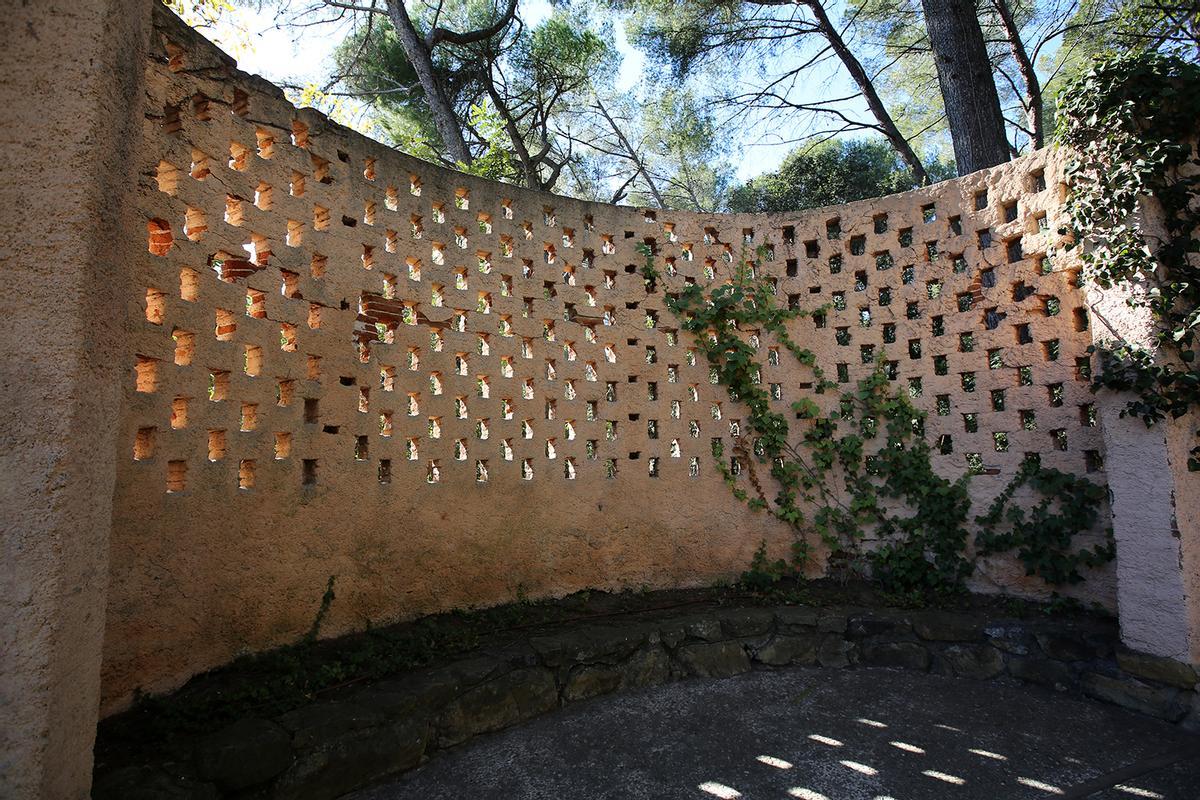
x=355, y=737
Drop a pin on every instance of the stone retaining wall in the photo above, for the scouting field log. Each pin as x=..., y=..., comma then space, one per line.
x=357, y=736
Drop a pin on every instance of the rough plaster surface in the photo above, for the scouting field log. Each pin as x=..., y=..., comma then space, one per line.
x=1150, y=592
x=1181, y=438
x=64, y=250
x=211, y=570
x=1155, y=499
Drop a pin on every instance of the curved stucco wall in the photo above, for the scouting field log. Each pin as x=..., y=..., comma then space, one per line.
x=268, y=442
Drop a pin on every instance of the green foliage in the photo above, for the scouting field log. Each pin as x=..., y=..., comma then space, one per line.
x=906, y=74
x=216, y=19
x=684, y=148
x=649, y=272
x=1105, y=28
x=921, y=547
x=510, y=93
x=862, y=472
x=682, y=34
x=764, y=573
x=559, y=52
x=494, y=162
x=772, y=581
x=1128, y=123
x=903, y=64
x=1043, y=537
x=831, y=173
x=376, y=68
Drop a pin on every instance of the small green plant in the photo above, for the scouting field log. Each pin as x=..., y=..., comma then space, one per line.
x=1044, y=534
x=763, y=573
x=1058, y=605
x=650, y=273
x=772, y=581
x=521, y=594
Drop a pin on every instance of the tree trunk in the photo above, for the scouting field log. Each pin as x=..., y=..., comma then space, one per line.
x=444, y=118
x=968, y=88
x=886, y=125
x=634, y=156
x=1033, y=87
x=528, y=169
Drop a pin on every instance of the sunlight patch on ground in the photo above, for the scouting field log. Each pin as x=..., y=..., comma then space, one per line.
x=1138, y=791
x=719, y=790
x=943, y=776
x=857, y=767
x=816, y=737
x=988, y=754
x=806, y=794
x=1033, y=783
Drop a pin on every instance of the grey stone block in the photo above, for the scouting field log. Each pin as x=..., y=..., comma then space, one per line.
x=1162, y=702
x=746, y=622
x=319, y=722
x=588, y=645
x=1065, y=645
x=1157, y=668
x=977, y=661
x=714, y=659
x=790, y=649
x=150, y=783
x=1042, y=671
x=836, y=651
x=338, y=764
x=863, y=626
x=498, y=703
x=939, y=626
x=906, y=655
x=796, y=617
x=248, y=752
x=1013, y=639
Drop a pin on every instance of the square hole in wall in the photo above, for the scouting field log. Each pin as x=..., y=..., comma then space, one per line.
x=176, y=476
x=246, y=473
x=143, y=444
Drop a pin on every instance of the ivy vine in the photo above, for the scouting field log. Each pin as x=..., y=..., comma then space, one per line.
x=1129, y=124
x=862, y=470
x=650, y=274
x=1043, y=538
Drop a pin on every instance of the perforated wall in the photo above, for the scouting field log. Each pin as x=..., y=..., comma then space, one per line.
x=447, y=392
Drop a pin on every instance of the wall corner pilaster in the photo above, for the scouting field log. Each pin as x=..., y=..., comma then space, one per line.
x=73, y=110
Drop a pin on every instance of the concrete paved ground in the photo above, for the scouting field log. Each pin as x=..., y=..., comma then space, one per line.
x=813, y=734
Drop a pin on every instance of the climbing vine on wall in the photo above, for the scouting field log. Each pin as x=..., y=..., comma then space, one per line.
x=848, y=465
x=863, y=470
x=1043, y=533
x=1130, y=125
